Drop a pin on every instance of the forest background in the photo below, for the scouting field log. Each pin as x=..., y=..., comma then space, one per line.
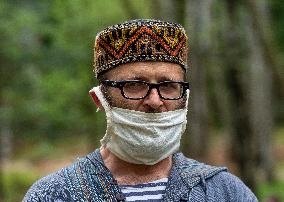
x=236, y=62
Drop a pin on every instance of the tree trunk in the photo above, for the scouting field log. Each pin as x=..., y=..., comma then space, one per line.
x=168, y=10
x=219, y=95
x=196, y=143
x=261, y=92
x=236, y=62
x=259, y=13
x=179, y=11
x=173, y=11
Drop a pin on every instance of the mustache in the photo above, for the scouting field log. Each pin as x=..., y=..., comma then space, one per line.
x=152, y=110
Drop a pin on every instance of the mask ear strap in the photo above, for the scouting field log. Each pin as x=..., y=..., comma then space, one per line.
x=107, y=109
x=101, y=98
x=187, y=98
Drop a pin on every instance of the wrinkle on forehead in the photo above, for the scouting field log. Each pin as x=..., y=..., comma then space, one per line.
x=148, y=71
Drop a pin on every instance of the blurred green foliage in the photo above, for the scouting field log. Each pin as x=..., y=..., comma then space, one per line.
x=277, y=14
x=19, y=181
x=274, y=189
x=46, y=59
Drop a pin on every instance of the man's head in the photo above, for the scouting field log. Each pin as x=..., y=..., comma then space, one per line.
x=149, y=51
x=141, y=67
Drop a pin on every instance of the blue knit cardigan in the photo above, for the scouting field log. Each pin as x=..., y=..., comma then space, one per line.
x=88, y=179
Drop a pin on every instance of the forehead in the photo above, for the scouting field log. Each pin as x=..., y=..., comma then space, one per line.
x=148, y=71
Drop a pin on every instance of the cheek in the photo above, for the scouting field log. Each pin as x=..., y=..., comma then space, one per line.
x=115, y=95
x=173, y=105
x=181, y=103
x=132, y=104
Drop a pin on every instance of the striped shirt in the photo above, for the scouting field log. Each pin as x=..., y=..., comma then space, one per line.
x=150, y=192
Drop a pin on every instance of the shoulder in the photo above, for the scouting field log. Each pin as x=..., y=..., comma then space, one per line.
x=230, y=186
x=212, y=182
x=55, y=186
x=222, y=187
x=67, y=184
x=48, y=188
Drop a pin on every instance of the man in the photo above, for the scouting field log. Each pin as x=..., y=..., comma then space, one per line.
x=141, y=67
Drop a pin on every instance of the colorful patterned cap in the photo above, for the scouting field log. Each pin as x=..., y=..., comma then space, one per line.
x=140, y=40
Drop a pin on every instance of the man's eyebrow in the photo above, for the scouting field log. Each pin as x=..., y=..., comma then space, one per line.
x=136, y=77
x=165, y=78
x=143, y=78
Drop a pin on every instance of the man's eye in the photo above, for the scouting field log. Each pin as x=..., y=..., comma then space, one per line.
x=170, y=85
x=134, y=86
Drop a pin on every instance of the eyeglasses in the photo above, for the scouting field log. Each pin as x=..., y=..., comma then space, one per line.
x=136, y=89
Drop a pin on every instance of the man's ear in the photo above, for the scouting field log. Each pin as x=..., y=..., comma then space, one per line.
x=96, y=100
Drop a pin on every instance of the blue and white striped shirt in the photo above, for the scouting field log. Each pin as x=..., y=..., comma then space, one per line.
x=150, y=192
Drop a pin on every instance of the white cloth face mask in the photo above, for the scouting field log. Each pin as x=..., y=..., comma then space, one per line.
x=142, y=138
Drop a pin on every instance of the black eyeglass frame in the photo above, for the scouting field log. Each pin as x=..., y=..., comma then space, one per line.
x=120, y=85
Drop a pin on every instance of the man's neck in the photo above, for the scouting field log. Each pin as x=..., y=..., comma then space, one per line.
x=129, y=173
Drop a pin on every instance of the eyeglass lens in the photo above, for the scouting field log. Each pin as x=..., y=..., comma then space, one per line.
x=169, y=90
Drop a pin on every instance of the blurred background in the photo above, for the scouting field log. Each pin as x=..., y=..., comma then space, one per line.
x=236, y=59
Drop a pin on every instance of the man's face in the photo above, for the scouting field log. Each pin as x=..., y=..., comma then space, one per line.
x=152, y=72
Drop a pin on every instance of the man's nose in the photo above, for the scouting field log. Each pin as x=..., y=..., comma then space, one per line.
x=153, y=100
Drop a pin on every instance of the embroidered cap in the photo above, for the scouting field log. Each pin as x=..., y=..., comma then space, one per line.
x=140, y=40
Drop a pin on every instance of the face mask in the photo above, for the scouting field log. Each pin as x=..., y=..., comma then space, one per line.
x=139, y=137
